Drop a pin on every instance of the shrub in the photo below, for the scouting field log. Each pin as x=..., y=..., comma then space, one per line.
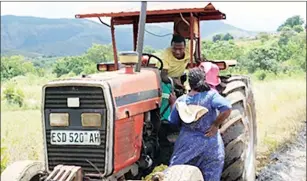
x=4, y=158
x=14, y=95
x=260, y=74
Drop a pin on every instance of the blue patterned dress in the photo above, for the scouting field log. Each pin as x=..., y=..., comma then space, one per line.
x=192, y=147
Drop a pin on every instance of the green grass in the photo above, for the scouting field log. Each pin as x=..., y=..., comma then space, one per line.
x=280, y=103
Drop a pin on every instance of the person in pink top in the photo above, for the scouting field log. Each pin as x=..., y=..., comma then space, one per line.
x=211, y=71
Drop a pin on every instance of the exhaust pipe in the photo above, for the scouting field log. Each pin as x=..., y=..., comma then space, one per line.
x=140, y=40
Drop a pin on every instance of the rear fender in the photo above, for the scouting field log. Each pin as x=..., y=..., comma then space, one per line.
x=224, y=64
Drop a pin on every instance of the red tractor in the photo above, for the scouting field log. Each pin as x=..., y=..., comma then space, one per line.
x=105, y=126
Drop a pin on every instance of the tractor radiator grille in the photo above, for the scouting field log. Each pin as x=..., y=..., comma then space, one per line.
x=89, y=97
x=77, y=155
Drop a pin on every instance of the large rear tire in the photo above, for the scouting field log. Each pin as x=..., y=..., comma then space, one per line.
x=22, y=171
x=239, y=130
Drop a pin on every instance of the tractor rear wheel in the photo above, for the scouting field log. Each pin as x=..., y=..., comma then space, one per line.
x=239, y=130
x=22, y=171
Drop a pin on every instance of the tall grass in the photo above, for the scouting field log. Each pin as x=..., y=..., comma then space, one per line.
x=280, y=104
x=21, y=132
x=31, y=86
x=281, y=111
x=4, y=158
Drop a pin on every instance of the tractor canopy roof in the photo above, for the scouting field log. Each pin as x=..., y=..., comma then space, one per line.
x=159, y=14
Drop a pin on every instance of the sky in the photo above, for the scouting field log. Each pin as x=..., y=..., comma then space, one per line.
x=252, y=16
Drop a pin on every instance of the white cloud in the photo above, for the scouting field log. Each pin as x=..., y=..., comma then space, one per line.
x=256, y=16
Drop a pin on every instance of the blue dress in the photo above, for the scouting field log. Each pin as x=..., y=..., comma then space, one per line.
x=192, y=147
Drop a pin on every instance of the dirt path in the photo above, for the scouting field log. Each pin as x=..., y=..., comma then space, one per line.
x=289, y=163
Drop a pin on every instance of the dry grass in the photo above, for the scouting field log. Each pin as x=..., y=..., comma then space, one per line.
x=281, y=108
x=21, y=133
x=281, y=111
x=31, y=86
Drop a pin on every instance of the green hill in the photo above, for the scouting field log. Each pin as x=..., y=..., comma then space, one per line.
x=33, y=36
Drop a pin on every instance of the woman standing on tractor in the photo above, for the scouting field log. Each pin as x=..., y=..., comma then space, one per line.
x=199, y=142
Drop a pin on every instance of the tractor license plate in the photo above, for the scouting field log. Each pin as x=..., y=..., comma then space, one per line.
x=62, y=137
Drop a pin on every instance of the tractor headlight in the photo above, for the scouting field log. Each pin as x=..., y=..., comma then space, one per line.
x=91, y=119
x=58, y=119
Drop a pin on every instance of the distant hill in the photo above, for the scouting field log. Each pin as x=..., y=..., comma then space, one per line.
x=35, y=36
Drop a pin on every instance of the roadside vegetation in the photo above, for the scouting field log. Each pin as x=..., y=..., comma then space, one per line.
x=276, y=63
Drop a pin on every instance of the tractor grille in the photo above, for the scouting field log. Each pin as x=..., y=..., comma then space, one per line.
x=77, y=155
x=91, y=98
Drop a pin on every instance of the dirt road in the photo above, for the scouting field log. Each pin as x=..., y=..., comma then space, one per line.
x=289, y=163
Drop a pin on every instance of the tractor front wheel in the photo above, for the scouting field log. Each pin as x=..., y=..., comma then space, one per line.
x=22, y=171
x=179, y=173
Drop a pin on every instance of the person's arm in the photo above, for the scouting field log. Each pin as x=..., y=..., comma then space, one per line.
x=178, y=83
x=224, y=106
x=221, y=118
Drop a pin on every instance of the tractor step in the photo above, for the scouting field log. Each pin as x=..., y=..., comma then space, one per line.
x=65, y=173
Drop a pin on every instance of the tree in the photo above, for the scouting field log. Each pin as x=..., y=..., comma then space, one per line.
x=297, y=51
x=75, y=64
x=228, y=37
x=217, y=37
x=90, y=69
x=100, y=53
x=291, y=22
x=298, y=28
x=85, y=63
x=263, y=58
x=149, y=49
x=14, y=66
x=285, y=35
x=263, y=36
x=221, y=50
x=61, y=67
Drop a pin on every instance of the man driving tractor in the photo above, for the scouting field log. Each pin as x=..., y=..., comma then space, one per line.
x=175, y=60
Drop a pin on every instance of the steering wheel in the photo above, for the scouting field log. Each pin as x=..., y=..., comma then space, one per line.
x=154, y=56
